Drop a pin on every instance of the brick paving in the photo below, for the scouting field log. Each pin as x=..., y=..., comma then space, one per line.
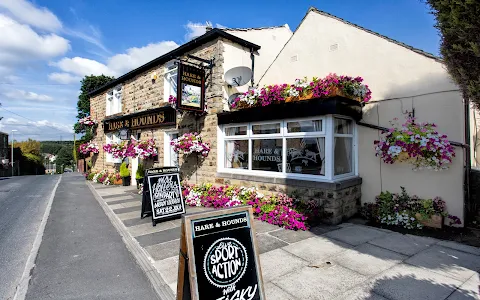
x=348, y=261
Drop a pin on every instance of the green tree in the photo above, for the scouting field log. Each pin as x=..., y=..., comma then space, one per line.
x=50, y=147
x=459, y=24
x=64, y=156
x=88, y=84
x=30, y=147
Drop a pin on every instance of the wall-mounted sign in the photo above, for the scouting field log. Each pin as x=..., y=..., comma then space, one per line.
x=219, y=257
x=190, y=88
x=163, y=116
x=162, y=193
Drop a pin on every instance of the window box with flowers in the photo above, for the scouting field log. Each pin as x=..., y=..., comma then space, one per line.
x=416, y=143
x=303, y=89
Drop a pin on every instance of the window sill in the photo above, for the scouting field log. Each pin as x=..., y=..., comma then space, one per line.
x=336, y=184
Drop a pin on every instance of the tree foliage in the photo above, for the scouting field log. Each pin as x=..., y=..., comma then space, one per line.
x=53, y=147
x=65, y=156
x=459, y=25
x=30, y=147
x=88, y=84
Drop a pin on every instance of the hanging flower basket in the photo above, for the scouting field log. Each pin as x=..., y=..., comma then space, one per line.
x=87, y=121
x=88, y=148
x=418, y=144
x=190, y=143
x=144, y=149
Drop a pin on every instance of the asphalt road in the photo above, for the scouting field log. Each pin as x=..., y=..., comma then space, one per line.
x=23, y=201
x=82, y=256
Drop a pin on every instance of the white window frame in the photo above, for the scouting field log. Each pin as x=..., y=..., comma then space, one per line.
x=111, y=138
x=327, y=132
x=170, y=80
x=114, y=101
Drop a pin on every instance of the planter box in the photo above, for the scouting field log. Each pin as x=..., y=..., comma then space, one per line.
x=435, y=221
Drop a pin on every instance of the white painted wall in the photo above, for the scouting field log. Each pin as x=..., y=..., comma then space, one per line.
x=271, y=40
x=391, y=71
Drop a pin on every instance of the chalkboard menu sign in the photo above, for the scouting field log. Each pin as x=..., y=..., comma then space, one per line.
x=218, y=257
x=163, y=191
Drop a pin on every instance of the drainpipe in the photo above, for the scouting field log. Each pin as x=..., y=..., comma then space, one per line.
x=468, y=205
x=252, y=57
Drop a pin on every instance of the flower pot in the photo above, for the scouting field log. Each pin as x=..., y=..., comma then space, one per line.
x=118, y=181
x=435, y=221
x=126, y=180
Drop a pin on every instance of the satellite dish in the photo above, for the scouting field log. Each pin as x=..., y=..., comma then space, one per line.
x=238, y=76
x=233, y=97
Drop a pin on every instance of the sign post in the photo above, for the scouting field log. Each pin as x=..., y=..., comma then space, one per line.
x=163, y=192
x=219, y=257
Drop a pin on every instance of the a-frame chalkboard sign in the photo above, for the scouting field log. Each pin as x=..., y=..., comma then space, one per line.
x=219, y=256
x=162, y=194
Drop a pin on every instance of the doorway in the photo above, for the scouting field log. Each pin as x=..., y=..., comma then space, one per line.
x=170, y=157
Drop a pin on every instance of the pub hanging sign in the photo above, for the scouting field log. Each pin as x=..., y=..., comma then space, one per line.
x=190, y=88
x=163, y=116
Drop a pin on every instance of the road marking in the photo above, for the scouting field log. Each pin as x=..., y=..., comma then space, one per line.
x=22, y=287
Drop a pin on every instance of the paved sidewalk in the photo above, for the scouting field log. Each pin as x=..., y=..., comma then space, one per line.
x=82, y=256
x=345, y=262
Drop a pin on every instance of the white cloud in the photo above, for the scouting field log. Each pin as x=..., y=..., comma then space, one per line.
x=24, y=95
x=80, y=66
x=64, y=78
x=26, y=12
x=20, y=44
x=135, y=57
x=37, y=130
x=196, y=29
x=89, y=34
x=117, y=65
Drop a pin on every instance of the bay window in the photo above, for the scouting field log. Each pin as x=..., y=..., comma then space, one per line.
x=320, y=148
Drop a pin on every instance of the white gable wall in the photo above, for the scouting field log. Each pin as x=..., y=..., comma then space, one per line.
x=391, y=71
x=271, y=41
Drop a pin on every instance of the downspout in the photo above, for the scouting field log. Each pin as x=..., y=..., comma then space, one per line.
x=252, y=57
x=468, y=204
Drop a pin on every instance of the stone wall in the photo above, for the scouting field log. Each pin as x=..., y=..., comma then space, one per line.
x=141, y=93
x=340, y=200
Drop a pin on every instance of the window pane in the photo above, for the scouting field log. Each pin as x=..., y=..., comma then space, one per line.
x=343, y=126
x=343, y=155
x=267, y=155
x=306, y=156
x=266, y=128
x=240, y=130
x=236, y=154
x=304, y=126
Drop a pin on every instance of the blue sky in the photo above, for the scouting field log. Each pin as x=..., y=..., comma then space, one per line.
x=49, y=45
